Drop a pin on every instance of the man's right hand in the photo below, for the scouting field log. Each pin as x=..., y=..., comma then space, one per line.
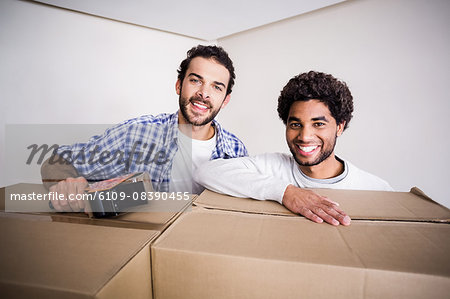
x=313, y=206
x=69, y=187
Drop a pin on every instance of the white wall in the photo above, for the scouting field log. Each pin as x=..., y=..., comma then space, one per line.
x=58, y=66
x=394, y=56
x=63, y=67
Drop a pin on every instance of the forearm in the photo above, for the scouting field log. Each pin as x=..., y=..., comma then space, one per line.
x=56, y=169
x=240, y=177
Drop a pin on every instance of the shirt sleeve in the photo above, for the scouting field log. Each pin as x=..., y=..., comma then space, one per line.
x=248, y=177
x=102, y=157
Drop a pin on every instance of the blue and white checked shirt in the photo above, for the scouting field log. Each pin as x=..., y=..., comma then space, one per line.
x=147, y=143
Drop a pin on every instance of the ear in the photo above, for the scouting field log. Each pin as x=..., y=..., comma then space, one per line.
x=178, y=87
x=340, y=128
x=225, y=101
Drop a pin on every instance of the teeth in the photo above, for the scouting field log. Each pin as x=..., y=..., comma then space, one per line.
x=200, y=106
x=308, y=148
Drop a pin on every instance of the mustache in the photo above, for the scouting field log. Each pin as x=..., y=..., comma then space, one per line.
x=200, y=100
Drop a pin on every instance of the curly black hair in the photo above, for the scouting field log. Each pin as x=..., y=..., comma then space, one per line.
x=318, y=86
x=214, y=52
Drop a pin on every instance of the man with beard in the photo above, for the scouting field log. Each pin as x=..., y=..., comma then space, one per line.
x=316, y=109
x=167, y=146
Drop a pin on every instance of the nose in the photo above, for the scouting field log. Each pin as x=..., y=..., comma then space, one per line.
x=203, y=91
x=305, y=134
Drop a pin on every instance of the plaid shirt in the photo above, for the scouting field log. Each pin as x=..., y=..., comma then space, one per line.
x=147, y=143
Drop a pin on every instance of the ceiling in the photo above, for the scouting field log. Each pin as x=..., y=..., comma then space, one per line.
x=206, y=20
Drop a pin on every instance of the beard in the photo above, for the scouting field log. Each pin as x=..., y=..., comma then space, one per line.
x=324, y=154
x=194, y=118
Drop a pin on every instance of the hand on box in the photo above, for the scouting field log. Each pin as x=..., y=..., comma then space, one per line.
x=313, y=206
x=70, y=188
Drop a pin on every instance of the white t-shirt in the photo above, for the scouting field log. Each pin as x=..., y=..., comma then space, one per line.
x=266, y=176
x=190, y=155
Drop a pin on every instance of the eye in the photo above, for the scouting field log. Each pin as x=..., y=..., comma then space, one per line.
x=295, y=125
x=217, y=87
x=194, y=80
x=319, y=124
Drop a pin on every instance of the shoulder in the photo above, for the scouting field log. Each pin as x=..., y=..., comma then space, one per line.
x=227, y=135
x=146, y=126
x=367, y=181
x=273, y=162
x=230, y=143
x=162, y=118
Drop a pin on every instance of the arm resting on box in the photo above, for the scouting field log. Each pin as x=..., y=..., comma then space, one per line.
x=240, y=177
x=268, y=177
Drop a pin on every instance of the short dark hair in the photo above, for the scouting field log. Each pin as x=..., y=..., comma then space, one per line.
x=317, y=86
x=214, y=52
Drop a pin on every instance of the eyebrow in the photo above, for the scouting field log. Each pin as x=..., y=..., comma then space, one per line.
x=293, y=118
x=321, y=118
x=200, y=77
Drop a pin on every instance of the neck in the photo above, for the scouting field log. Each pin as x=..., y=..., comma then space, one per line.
x=204, y=132
x=329, y=168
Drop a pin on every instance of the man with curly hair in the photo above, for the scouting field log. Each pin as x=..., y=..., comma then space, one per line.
x=316, y=109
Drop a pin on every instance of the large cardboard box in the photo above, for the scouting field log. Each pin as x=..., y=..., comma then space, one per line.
x=40, y=258
x=47, y=254
x=242, y=248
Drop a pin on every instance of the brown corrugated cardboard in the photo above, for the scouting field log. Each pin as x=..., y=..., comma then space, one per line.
x=2, y=198
x=362, y=205
x=221, y=254
x=44, y=259
x=156, y=215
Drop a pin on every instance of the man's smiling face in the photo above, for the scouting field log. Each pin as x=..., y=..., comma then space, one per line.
x=311, y=132
x=203, y=91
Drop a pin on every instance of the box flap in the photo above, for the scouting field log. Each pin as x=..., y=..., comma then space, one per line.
x=264, y=256
x=359, y=205
x=64, y=258
x=155, y=215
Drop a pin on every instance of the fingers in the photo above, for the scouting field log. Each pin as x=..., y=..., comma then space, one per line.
x=340, y=216
x=331, y=213
x=61, y=188
x=325, y=216
x=313, y=206
x=337, y=214
x=55, y=202
x=81, y=184
x=71, y=187
x=329, y=200
x=328, y=215
x=66, y=195
x=310, y=215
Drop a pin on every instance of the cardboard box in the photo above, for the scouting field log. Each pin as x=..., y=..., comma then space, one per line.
x=241, y=248
x=50, y=254
x=156, y=215
x=40, y=258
